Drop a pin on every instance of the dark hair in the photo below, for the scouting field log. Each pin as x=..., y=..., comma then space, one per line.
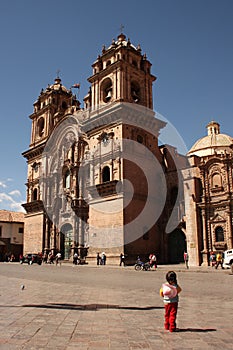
x=171, y=277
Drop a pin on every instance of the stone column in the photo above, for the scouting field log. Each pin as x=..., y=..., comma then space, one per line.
x=205, y=252
x=229, y=239
x=92, y=182
x=47, y=234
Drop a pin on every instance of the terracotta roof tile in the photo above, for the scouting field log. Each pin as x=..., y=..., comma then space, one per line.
x=11, y=216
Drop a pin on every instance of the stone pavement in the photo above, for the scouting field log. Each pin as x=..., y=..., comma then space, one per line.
x=107, y=307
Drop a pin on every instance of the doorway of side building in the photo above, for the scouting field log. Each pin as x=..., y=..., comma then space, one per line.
x=66, y=238
x=176, y=246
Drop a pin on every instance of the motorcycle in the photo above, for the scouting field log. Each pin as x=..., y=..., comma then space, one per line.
x=141, y=266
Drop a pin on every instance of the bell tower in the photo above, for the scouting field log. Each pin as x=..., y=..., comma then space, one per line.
x=50, y=108
x=119, y=105
x=121, y=74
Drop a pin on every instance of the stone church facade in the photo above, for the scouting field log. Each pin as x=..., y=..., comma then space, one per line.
x=98, y=180
x=208, y=188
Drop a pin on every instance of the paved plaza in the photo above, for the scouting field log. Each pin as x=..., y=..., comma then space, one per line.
x=111, y=307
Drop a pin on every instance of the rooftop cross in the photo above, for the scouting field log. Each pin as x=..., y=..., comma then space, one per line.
x=121, y=28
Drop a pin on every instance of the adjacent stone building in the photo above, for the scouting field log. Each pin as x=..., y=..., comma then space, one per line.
x=11, y=234
x=208, y=188
x=97, y=177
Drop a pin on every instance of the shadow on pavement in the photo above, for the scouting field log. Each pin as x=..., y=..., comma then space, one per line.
x=198, y=330
x=90, y=307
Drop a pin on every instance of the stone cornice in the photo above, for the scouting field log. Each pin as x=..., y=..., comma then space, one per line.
x=34, y=152
x=33, y=207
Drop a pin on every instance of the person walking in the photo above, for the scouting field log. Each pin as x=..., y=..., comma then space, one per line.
x=186, y=259
x=122, y=259
x=169, y=291
x=58, y=259
x=98, y=259
x=153, y=261
x=219, y=261
x=213, y=259
x=103, y=259
x=75, y=258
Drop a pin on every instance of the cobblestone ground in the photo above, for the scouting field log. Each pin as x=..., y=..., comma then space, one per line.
x=106, y=307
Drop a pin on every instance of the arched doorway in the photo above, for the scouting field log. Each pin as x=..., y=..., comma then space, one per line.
x=176, y=246
x=66, y=239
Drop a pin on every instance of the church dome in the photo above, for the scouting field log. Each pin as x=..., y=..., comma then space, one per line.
x=214, y=142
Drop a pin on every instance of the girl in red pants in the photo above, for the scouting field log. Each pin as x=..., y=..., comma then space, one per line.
x=169, y=291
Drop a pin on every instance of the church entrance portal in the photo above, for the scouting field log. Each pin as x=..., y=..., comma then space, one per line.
x=176, y=246
x=66, y=238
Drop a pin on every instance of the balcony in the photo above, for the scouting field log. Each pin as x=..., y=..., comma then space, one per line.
x=103, y=190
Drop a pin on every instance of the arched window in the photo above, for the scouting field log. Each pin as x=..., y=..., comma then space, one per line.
x=219, y=234
x=216, y=180
x=67, y=179
x=35, y=194
x=106, y=174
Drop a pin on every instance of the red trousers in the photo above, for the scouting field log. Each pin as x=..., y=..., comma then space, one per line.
x=170, y=316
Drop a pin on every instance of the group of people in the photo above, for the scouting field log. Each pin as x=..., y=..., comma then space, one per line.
x=9, y=257
x=101, y=259
x=216, y=260
x=50, y=258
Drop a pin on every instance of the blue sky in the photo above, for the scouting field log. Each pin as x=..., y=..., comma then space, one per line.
x=189, y=43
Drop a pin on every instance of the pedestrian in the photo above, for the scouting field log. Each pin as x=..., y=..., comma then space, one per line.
x=58, y=259
x=75, y=258
x=103, y=259
x=169, y=291
x=45, y=258
x=219, y=261
x=213, y=259
x=122, y=259
x=98, y=259
x=186, y=259
x=21, y=258
x=12, y=258
x=153, y=261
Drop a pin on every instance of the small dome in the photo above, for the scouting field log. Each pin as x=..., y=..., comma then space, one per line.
x=58, y=85
x=122, y=41
x=212, y=143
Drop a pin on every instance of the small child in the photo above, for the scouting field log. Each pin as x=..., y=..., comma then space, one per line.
x=169, y=291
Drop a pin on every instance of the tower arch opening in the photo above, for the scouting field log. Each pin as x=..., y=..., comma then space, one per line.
x=106, y=90
x=40, y=126
x=135, y=91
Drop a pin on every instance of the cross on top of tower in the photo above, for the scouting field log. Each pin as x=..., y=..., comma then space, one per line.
x=121, y=28
x=58, y=73
x=58, y=79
